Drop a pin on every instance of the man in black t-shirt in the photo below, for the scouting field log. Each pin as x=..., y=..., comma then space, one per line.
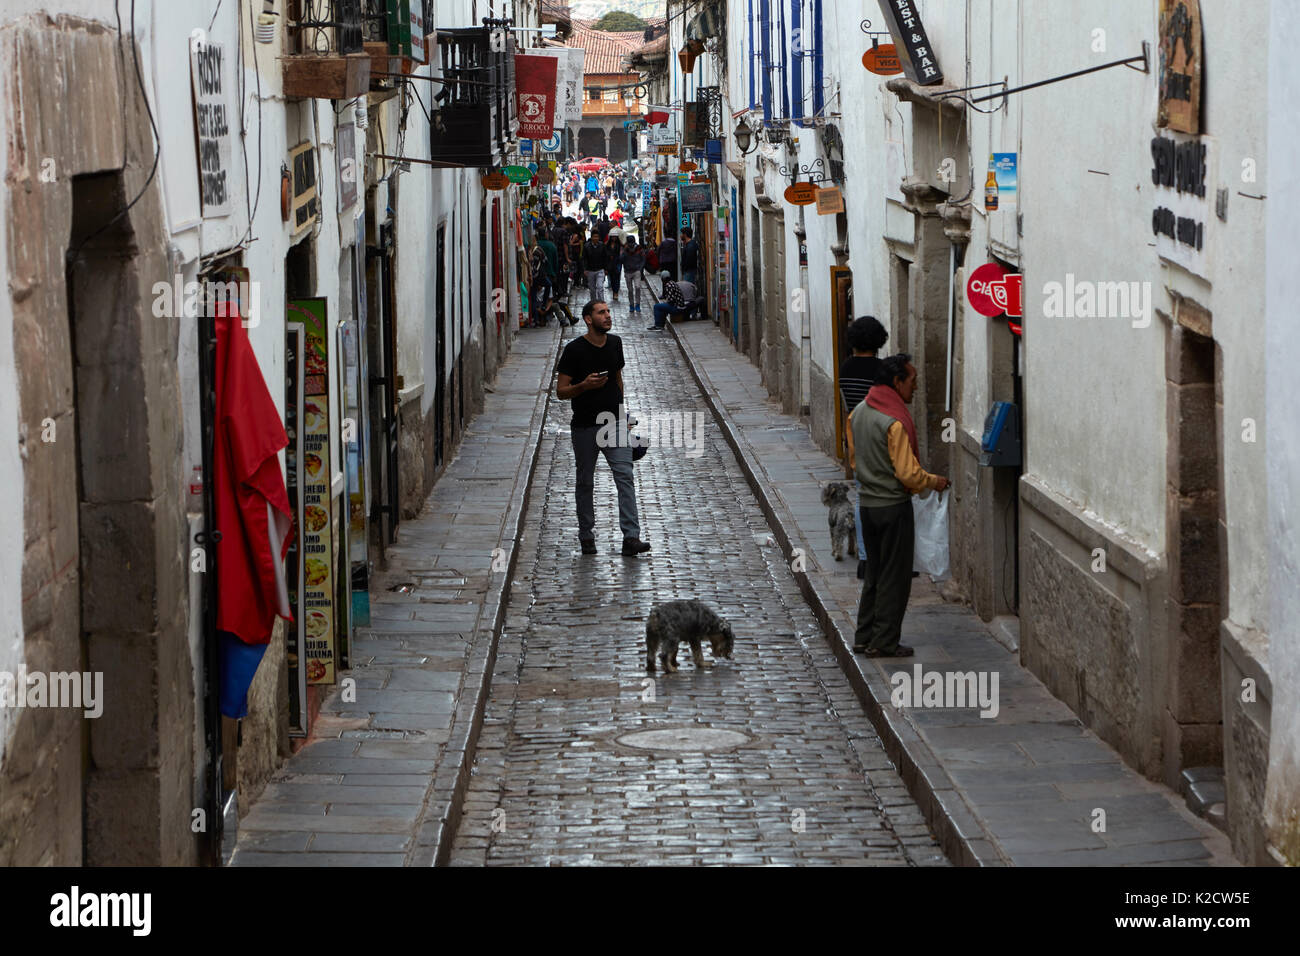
x=858, y=373
x=591, y=376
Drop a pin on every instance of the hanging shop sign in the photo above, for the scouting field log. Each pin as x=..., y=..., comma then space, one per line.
x=1182, y=168
x=551, y=145
x=1179, y=76
x=535, y=94
x=546, y=175
x=883, y=60
x=304, y=203
x=829, y=201
x=713, y=151
x=663, y=137
x=916, y=56
x=667, y=149
x=687, y=166
x=695, y=124
x=634, y=125
x=316, y=471
x=495, y=181
x=696, y=197
x=645, y=194
x=212, y=125
x=992, y=290
x=525, y=147
x=801, y=194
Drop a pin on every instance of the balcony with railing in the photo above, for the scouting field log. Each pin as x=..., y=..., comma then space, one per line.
x=474, y=109
x=324, y=58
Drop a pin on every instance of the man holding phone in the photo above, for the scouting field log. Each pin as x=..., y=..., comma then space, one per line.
x=591, y=377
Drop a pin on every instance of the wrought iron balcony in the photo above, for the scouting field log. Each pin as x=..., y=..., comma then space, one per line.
x=475, y=107
x=325, y=58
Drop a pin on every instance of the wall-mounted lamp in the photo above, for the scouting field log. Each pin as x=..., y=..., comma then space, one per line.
x=688, y=54
x=744, y=138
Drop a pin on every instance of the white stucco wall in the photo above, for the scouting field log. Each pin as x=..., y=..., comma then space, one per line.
x=1282, y=439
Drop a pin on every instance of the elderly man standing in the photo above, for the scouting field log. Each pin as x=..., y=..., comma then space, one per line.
x=888, y=473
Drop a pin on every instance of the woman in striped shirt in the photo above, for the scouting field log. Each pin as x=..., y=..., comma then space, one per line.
x=858, y=373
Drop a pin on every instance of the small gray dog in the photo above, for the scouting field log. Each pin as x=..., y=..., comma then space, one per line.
x=690, y=621
x=844, y=532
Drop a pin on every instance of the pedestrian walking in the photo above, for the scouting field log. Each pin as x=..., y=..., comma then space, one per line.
x=595, y=259
x=888, y=472
x=633, y=267
x=690, y=256
x=615, y=267
x=667, y=253
x=858, y=373
x=591, y=376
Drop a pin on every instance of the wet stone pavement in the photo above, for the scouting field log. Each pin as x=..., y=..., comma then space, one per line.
x=800, y=777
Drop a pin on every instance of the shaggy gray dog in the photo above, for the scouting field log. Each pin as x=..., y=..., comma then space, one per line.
x=690, y=621
x=841, y=518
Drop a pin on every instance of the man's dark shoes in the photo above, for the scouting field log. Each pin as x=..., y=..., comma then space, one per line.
x=634, y=546
x=902, y=650
x=588, y=547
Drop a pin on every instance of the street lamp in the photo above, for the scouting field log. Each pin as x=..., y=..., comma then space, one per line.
x=744, y=137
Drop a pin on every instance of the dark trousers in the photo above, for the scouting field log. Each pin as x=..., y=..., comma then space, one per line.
x=890, y=538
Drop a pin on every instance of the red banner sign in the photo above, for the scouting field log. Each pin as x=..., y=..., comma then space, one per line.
x=535, y=95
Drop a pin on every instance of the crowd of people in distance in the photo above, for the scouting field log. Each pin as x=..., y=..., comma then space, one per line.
x=590, y=233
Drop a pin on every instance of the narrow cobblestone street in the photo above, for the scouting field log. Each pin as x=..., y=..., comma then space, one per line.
x=557, y=781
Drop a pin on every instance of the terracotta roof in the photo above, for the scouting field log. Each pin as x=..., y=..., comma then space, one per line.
x=605, y=51
x=652, y=50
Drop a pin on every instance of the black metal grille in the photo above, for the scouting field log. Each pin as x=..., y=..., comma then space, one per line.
x=710, y=100
x=325, y=26
x=475, y=107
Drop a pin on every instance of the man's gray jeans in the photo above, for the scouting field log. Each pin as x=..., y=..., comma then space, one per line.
x=596, y=285
x=586, y=451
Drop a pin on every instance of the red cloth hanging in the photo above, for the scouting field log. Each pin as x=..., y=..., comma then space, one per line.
x=252, y=505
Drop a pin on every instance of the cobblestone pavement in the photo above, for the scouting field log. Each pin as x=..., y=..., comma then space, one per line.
x=1021, y=788
x=556, y=781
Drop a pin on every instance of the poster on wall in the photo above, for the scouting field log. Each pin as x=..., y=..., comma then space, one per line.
x=1179, y=76
x=346, y=149
x=293, y=565
x=212, y=117
x=318, y=536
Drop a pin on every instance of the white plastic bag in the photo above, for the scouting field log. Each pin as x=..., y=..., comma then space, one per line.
x=931, y=516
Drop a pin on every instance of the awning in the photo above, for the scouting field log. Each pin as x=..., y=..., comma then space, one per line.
x=705, y=26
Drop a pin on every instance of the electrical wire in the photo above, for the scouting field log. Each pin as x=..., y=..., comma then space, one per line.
x=157, y=149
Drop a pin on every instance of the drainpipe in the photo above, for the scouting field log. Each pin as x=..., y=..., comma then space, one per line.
x=805, y=322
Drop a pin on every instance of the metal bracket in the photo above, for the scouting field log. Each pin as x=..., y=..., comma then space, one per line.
x=1144, y=56
x=865, y=27
x=807, y=169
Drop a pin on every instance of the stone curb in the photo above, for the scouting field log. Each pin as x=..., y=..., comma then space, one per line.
x=437, y=828
x=963, y=838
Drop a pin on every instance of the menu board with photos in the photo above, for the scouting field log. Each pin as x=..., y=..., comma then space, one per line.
x=294, y=632
x=317, y=604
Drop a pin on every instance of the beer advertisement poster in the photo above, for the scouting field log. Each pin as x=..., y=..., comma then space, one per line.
x=317, y=469
x=1004, y=168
